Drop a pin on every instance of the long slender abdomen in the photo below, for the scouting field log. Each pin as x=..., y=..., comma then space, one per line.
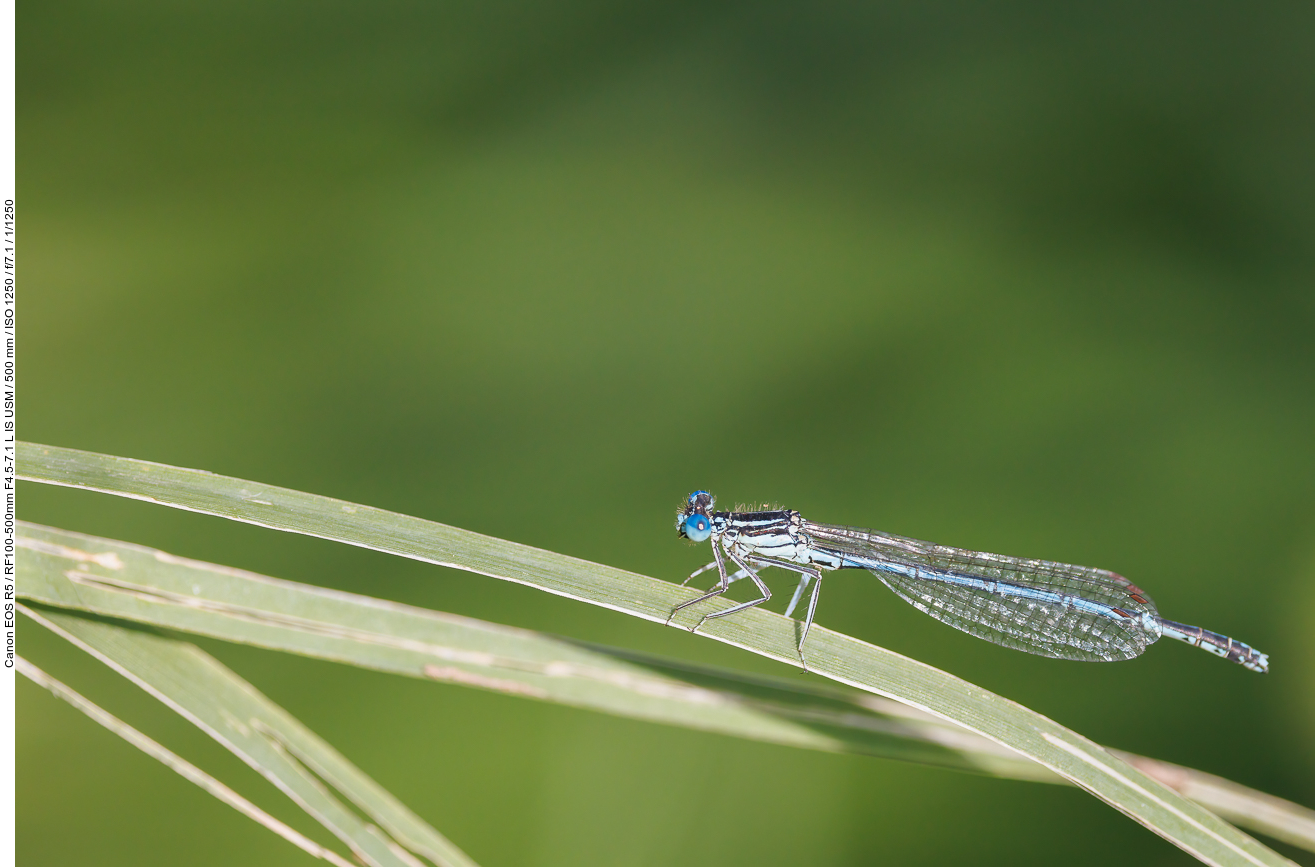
x=1220, y=645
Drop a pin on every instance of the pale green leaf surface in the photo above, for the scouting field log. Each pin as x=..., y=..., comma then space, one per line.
x=177, y=763
x=263, y=735
x=830, y=654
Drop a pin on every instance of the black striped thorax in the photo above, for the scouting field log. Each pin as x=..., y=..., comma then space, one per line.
x=777, y=534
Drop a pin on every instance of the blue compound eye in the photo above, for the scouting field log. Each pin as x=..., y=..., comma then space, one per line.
x=698, y=528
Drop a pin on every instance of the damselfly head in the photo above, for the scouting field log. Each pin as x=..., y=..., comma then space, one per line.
x=694, y=520
x=701, y=502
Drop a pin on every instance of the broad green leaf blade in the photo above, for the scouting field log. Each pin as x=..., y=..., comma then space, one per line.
x=178, y=764
x=830, y=654
x=230, y=710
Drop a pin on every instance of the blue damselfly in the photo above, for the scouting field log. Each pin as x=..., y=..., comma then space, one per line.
x=1051, y=609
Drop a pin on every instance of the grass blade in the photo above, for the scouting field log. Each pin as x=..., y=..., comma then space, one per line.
x=230, y=710
x=1280, y=819
x=832, y=655
x=120, y=580
x=177, y=763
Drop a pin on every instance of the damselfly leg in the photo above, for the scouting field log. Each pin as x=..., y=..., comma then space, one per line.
x=713, y=565
x=807, y=572
x=798, y=594
x=723, y=583
x=743, y=606
x=747, y=571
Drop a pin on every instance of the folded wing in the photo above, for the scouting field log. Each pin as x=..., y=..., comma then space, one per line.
x=1051, y=609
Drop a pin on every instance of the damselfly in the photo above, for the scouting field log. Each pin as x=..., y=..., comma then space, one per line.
x=1051, y=609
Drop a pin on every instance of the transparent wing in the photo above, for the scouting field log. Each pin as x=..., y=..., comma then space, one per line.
x=1051, y=609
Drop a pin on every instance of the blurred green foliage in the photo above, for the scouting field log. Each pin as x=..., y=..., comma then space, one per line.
x=1024, y=278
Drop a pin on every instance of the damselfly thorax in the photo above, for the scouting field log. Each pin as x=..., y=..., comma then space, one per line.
x=776, y=535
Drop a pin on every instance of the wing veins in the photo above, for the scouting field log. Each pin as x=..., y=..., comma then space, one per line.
x=1081, y=612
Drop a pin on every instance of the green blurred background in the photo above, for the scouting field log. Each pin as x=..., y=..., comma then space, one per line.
x=1029, y=278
